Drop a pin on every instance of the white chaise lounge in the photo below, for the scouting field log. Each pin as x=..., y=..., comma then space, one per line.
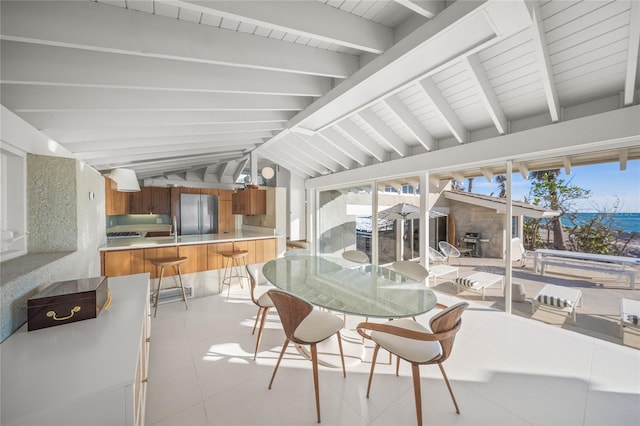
x=558, y=298
x=478, y=282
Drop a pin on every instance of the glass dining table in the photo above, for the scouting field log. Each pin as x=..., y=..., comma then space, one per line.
x=354, y=289
x=342, y=286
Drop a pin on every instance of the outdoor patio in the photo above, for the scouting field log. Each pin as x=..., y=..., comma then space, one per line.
x=599, y=313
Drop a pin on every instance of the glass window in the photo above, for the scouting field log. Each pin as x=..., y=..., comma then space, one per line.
x=13, y=204
x=344, y=220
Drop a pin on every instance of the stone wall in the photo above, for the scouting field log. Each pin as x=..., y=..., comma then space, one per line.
x=66, y=213
x=470, y=218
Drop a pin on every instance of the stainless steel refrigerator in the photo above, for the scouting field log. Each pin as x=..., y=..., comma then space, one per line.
x=198, y=214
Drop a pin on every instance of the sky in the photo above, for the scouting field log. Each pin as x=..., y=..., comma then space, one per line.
x=608, y=185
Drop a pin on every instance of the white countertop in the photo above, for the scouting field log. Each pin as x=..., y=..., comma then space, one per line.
x=53, y=376
x=152, y=242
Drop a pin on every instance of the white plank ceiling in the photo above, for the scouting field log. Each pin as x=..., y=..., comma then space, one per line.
x=191, y=88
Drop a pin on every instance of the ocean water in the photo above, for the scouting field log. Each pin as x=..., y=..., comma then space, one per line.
x=628, y=222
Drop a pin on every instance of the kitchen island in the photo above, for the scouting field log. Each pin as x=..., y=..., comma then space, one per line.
x=135, y=255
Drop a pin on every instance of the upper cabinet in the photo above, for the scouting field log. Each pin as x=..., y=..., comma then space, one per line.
x=249, y=202
x=149, y=200
x=116, y=203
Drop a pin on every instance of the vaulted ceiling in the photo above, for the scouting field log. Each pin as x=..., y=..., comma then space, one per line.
x=191, y=88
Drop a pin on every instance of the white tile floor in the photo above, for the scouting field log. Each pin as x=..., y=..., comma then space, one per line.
x=504, y=370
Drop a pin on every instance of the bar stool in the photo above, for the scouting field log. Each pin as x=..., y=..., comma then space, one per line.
x=175, y=262
x=233, y=260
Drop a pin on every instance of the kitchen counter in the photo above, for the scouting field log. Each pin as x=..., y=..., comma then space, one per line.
x=153, y=242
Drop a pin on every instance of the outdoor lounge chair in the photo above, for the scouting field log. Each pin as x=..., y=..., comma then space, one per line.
x=558, y=298
x=478, y=282
x=519, y=253
x=448, y=250
x=629, y=314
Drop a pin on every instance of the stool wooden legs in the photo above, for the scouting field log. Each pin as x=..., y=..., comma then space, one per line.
x=184, y=294
x=232, y=263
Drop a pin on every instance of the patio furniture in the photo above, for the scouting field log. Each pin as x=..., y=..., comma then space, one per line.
x=519, y=253
x=478, y=282
x=559, y=298
x=305, y=326
x=263, y=302
x=629, y=315
x=417, y=345
x=436, y=271
x=617, y=265
x=436, y=256
x=517, y=292
x=448, y=250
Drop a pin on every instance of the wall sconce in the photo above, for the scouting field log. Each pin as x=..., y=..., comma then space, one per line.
x=125, y=179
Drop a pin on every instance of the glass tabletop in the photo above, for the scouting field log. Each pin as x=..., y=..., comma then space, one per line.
x=364, y=290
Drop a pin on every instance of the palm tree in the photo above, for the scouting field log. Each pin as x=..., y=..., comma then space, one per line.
x=551, y=192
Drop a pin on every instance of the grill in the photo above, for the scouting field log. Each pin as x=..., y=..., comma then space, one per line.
x=124, y=234
x=472, y=243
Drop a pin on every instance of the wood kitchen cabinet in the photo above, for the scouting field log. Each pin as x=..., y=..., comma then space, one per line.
x=226, y=219
x=150, y=200
x=116, y=203
x=249, y=202
x=202, y=257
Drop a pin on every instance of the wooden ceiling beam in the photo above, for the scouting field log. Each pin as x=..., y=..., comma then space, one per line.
x=632, y=54
x=120, y=30
x=541, y=53
x=50, y=65
x=444, y=110
x=393, y=141
x=362, y=139
x=487, y=93
x=304, y=18
x=410, y=122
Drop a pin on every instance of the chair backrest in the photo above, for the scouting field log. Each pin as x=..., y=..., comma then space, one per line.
x=446, y=320
x=253, y=272
x=413, y=270
x=291, y=310
x=355, y=256
x=448, y=250
x=517, y=249
x=435, y=255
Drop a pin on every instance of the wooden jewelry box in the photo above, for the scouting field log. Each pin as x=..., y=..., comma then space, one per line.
x=65, y=302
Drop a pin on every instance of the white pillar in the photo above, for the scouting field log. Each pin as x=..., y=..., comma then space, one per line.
x=374, y=223
x=424, y=219
x=509, y=231
x=253, y=161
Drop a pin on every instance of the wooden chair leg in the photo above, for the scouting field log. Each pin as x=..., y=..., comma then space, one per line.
x=275, y=370
x=344, y=370
x=446, y=380
x=255, y=323
x=397, y=365
x=373, y=365
x=259, y=339
x=415, y=368
x=314, y=361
